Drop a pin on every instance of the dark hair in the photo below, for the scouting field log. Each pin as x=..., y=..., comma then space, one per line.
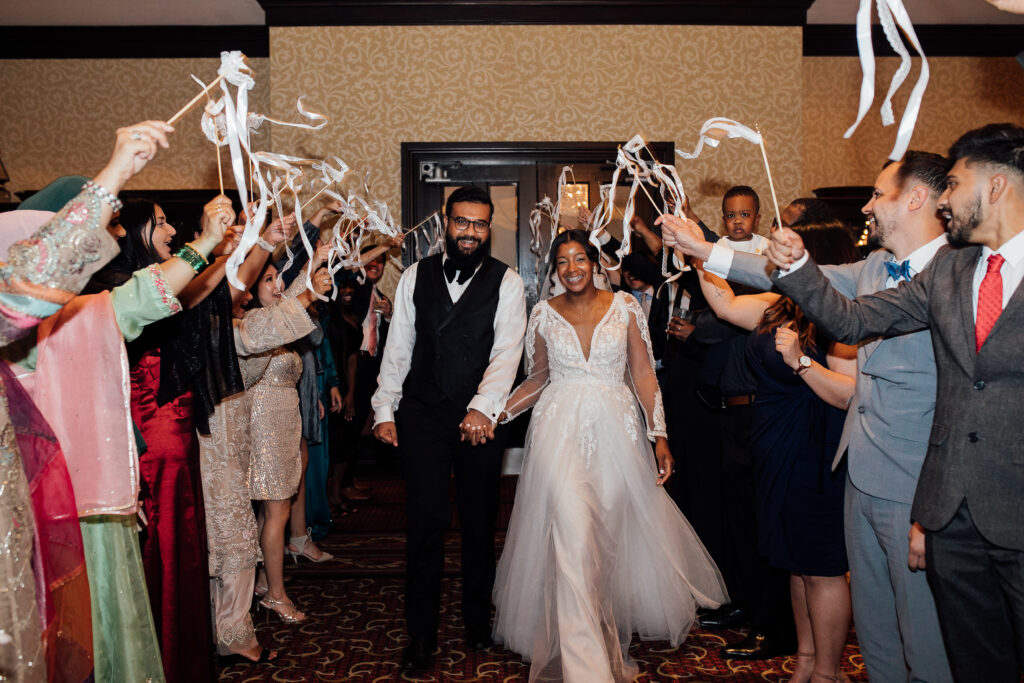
x=742, y=191
x=925, y=167
x=642, y=267
x=254, y=289
x=1000, y=144
x=813, y=210
x=579, y=236
x=828, y=244
x=471, y=194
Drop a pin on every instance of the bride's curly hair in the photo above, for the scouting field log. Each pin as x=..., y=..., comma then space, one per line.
x=829, y=243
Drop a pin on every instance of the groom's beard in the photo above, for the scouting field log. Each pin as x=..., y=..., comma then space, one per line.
x=464, y=261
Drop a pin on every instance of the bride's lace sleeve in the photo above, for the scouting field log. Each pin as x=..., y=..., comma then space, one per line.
x=640, y=370
x=526, y=394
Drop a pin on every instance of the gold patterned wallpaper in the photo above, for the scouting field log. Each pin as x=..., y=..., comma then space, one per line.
x=381, y=86
x=963, y=93
x=58, y=117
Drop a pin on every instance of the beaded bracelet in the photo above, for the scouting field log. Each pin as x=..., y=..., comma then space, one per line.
x=193, y=258
x=263, y=244
x=104, y=195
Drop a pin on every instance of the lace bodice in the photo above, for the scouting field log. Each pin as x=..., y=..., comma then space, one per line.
x=620, y=355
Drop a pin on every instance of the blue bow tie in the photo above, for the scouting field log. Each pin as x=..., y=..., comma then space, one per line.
x=898, y=271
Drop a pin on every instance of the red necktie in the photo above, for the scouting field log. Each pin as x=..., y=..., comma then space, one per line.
x=990, y=300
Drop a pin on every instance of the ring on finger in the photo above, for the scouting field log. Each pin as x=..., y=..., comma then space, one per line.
x=136, y=135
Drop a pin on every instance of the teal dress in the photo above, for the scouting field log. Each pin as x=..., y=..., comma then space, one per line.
x=318, y=509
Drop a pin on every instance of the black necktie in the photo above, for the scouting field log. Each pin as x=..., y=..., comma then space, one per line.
x=450, y=269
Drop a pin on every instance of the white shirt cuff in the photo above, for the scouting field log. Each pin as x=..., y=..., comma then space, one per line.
x=783, y=272
x=485, y=406
x=720, y=260
x=383, y=414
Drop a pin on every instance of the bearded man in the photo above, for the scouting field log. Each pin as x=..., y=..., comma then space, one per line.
x=453, y=351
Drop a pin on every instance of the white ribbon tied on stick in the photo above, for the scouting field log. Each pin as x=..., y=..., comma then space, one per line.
x=891, y=14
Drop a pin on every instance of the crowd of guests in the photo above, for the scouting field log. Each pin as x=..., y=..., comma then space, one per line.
x=838, y=423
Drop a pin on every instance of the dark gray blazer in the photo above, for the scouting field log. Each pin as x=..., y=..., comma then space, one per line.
x=975, y=450
x=890, y=414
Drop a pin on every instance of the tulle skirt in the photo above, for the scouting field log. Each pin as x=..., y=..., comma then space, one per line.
x=595, y=551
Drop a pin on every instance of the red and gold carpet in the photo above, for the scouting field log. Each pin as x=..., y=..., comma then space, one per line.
x=356, y=629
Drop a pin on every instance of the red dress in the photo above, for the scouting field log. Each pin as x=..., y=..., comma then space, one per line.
x=174, y=552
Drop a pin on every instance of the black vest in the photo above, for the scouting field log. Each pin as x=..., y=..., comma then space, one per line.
x=453, y=340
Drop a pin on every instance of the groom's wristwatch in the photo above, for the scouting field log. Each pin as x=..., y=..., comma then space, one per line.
x=804, y=365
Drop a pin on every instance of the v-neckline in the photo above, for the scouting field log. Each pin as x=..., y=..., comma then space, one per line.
x=593, y=333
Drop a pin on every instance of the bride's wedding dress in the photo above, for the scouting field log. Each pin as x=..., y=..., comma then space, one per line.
x=595, y=551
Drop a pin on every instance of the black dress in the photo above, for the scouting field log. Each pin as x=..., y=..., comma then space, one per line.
x=794, y=440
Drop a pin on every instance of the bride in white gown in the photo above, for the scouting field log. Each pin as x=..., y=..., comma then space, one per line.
x=596, y=550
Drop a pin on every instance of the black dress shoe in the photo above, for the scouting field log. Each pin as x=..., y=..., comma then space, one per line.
x=756, y=646
x=418, y=655
x=726, y=616
x=478, y=640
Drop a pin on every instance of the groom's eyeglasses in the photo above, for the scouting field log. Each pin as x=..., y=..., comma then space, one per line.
x=463, y=223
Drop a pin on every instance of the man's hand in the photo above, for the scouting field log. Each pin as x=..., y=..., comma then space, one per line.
x=387, y=433
x=785, y=248
x=680, y=329
x=384, y=306
x=684, y=236
x=916, y=559
x=476, y=428
x=664, y=458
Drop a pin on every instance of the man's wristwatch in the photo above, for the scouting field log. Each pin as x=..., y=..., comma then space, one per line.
x=804, y=365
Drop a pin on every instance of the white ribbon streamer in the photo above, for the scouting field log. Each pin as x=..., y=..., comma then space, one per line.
x=891, y=13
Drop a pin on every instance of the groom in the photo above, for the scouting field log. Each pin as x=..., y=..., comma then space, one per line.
x=453, y=352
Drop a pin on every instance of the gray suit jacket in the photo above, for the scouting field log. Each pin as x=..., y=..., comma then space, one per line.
x=975, y=450
x=890, y=414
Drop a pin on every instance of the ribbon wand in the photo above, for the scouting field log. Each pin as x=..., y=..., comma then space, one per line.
x=420, y=223
x=768, y=170
x=184, y=110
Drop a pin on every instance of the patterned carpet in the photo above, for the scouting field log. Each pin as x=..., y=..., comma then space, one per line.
x=356, y=631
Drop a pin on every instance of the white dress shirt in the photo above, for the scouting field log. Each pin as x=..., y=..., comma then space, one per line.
x=1012, y=269
x=509, y=329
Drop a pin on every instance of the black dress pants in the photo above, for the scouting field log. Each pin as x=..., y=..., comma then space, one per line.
x=752, y=582
x=979, y=594
x=428, y=437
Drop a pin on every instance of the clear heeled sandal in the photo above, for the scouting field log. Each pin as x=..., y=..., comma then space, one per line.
x=300, y=543
x=289, y=613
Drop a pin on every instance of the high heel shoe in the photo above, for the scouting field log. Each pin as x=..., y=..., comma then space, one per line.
x=259, y=591
x=299, y=542
x=286, y=610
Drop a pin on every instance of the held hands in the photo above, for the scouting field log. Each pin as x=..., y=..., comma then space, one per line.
x=134, y=147
x=664, y=458
x=387, y=433
x=916, y=559
x=684, y=236
x=476, y=428
x=787, y=343
x=785, y=248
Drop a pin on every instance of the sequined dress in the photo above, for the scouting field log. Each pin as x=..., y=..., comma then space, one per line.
x=595, y=551
x=276, y=464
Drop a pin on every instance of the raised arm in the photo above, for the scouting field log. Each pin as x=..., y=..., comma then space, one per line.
x=640, y=371
x=743, y=311
x=528, y=392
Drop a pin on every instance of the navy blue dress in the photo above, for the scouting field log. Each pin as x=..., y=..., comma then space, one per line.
x=793, y=442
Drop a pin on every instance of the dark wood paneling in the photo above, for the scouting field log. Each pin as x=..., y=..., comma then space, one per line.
x=947, y=40
x=130, y=42
x=427, y=12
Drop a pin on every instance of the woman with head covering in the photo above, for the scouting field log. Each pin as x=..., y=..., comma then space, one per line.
x=43, y=273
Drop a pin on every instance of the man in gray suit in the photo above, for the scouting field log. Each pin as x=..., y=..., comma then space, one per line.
x=968, y=497
x=887, y=422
